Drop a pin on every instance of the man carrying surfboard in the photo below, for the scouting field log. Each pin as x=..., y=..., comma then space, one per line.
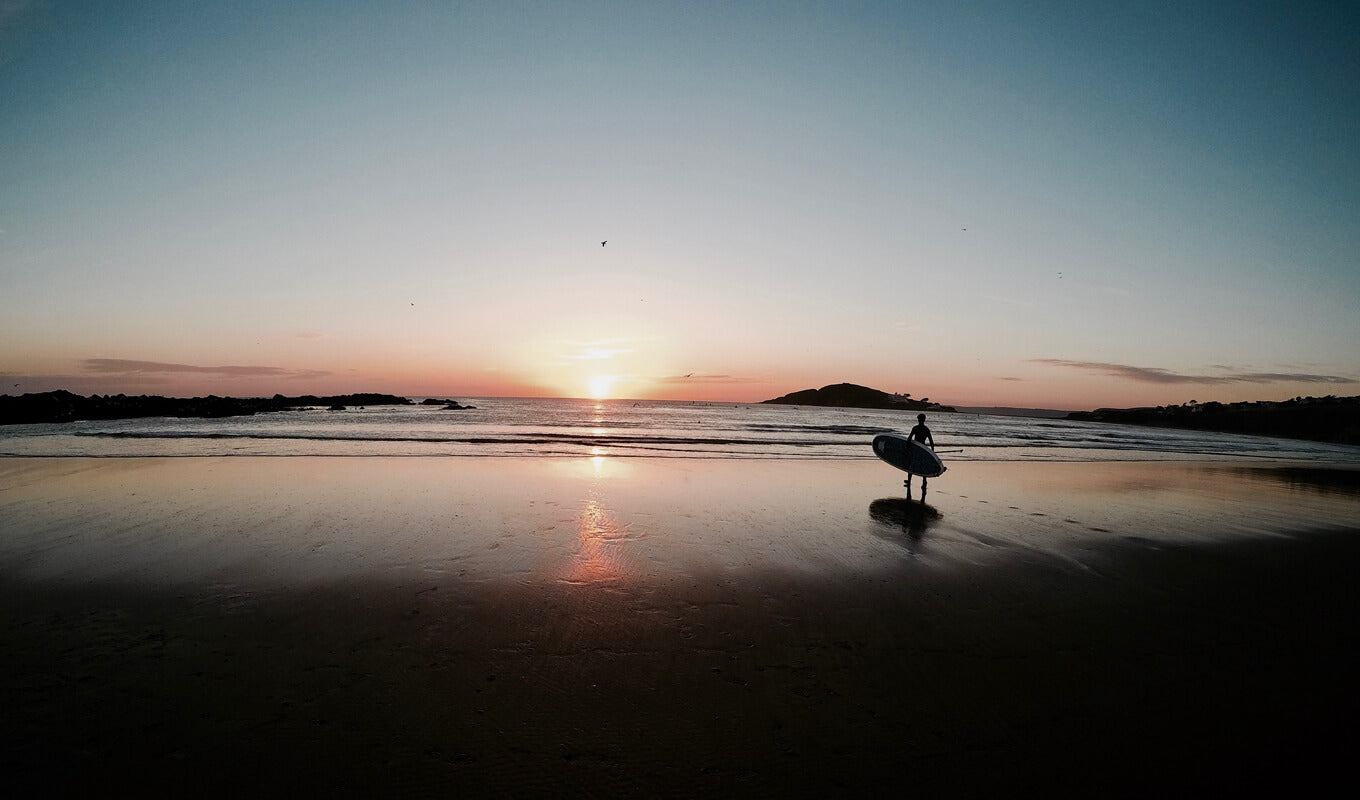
x=914, y=454
x=920, y=433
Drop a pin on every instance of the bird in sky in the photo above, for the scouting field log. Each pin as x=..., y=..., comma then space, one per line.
x=605, y=242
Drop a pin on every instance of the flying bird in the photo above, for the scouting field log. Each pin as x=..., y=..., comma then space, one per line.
x=605, y=242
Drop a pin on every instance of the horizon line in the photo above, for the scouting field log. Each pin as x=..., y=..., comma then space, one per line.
x=453, y=396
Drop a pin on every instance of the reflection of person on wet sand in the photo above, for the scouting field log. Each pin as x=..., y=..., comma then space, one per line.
x=913, y=518
x=921, y=434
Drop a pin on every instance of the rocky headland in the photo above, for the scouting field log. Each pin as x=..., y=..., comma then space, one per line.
x=1322, y=419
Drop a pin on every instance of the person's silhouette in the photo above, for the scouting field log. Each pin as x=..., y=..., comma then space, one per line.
x=920, y=433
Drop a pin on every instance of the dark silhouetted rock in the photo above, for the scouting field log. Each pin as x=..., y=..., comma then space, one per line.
x=1320, y=419
x=850, y=395
x=63, y=406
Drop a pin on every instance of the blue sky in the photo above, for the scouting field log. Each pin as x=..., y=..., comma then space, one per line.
x=1051, y=204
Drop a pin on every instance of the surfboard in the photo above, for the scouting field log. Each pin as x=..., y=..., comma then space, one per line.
x=908, y=455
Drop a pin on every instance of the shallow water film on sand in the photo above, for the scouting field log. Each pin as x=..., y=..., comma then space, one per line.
x=591, y=599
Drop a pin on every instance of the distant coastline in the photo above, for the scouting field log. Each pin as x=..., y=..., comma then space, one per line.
x=64, y=406
x=1319, y=419
x=850, y=395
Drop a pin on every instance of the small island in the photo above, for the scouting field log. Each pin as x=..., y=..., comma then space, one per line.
x=64, y=406
x=850, y=395
x=1322, y=419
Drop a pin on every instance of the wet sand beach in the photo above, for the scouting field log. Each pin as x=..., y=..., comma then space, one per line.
x=673, y=627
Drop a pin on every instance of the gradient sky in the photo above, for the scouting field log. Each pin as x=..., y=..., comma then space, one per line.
x=1062, y=205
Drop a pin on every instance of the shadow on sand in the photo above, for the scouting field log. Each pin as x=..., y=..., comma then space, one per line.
x=912, y=516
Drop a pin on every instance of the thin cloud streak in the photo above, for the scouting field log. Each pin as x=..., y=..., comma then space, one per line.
x=1166, y=376
x=121, y=366
x=1293, y=377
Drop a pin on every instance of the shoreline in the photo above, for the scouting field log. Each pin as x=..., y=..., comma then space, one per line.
x=582, y=627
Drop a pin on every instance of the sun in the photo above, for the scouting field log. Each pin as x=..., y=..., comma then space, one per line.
x=600, y=386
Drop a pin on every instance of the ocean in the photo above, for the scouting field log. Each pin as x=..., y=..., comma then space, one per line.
x=538, y=427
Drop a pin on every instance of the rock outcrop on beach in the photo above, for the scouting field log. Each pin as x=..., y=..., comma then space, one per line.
x=1321, y=419
x=64, y=406
x=850, y=395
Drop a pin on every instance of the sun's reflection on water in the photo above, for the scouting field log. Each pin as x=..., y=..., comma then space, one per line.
x=602, y=539
x=597, y=468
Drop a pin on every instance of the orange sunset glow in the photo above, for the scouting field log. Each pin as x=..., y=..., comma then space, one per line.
x=568, y=203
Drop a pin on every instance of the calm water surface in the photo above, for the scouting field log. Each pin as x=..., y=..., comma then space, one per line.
x=621, y=428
